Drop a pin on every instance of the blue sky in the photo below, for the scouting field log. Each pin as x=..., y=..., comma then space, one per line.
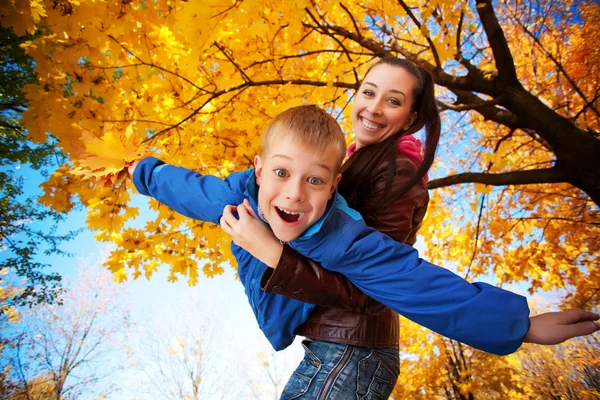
x=218, y=301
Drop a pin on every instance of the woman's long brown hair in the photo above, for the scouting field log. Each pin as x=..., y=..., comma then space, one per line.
x=359, y=171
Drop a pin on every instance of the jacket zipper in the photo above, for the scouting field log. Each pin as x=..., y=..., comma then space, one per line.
x=333, y=375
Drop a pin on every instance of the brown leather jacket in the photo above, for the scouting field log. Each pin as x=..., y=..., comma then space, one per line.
x=344, y=314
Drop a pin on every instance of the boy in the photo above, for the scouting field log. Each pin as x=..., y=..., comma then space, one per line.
x=293, y=188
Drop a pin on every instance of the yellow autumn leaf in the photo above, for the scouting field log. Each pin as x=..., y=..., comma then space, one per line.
x=483, y=188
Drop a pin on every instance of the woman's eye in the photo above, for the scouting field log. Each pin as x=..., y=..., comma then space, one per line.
x=368, y=92
x=282, y=173
x=314, y=181
x=394, y=102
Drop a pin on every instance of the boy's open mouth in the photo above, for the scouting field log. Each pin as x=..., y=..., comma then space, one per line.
x=289, y=216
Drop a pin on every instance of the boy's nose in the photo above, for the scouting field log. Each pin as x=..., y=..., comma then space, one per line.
x=294, y=191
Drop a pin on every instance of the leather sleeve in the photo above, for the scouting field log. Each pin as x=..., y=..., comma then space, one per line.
x=301, y=278
x=402, y=219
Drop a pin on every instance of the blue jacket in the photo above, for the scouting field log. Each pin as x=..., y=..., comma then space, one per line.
x=480, y=315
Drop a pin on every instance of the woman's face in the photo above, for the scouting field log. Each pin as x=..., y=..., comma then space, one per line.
x=382, y=105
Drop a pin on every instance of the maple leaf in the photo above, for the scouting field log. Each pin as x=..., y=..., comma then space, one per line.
x=107, y=158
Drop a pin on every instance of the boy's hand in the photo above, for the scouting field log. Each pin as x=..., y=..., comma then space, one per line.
x=131, y=167
x=116, y=178
x=556, y=327
x=251, y=234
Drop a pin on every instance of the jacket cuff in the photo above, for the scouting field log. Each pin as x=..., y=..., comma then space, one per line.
x=274, y=280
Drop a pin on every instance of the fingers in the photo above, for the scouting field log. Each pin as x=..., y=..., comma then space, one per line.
x=242, y=210
x=580, y=329
x=228, y=220
x=245, y=210
x=225, y=226
x=249, y=208
x=131, y=168
x=574, y=316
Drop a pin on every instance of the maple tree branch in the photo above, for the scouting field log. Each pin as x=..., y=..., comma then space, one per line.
x=584, y=303
x=137, y=120
x=412, y=16
x=351, y=18
x=560, y=68
x=225, y=11
x=503, y=138
x=383, y=28
x=240, y=70
x=245, y=85
x=325, y=30
x=507, y=74
x=547, y=175
x=481, y=206
x=465, y=107
x=590, y=104
x=549, y=219
x=144, y=63
x=499, y=115
x=303, y=55
x=459, y=55
x=473, y=82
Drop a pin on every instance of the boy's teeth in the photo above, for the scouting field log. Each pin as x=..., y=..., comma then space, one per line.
x=290, y=212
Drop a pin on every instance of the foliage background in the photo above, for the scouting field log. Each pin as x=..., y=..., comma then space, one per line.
x=515, y=186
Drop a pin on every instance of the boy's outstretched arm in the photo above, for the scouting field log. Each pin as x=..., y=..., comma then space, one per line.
x=197, y=196
x=556, y=327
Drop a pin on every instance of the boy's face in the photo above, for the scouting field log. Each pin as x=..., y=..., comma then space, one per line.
x=295, y=185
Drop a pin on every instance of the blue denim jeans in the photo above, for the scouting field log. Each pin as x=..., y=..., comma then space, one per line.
x=335, y=371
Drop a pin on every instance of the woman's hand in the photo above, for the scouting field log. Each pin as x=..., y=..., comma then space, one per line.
x=251, y=234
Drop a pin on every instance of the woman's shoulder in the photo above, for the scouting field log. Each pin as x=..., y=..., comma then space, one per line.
x=410, y=148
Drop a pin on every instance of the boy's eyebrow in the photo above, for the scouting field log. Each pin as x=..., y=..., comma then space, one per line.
x=324, y=166
x=391, y=90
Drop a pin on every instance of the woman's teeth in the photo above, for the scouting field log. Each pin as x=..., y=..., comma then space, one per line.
x=369, y=125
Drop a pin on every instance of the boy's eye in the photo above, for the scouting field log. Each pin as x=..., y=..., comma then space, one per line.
x=282, y=173
x=313, y=180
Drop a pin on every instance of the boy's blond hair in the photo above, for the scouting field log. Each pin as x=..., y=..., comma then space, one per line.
x=311, y=126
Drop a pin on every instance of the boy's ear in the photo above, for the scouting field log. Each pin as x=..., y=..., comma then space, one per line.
x=336, y=180
x=258, y=167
